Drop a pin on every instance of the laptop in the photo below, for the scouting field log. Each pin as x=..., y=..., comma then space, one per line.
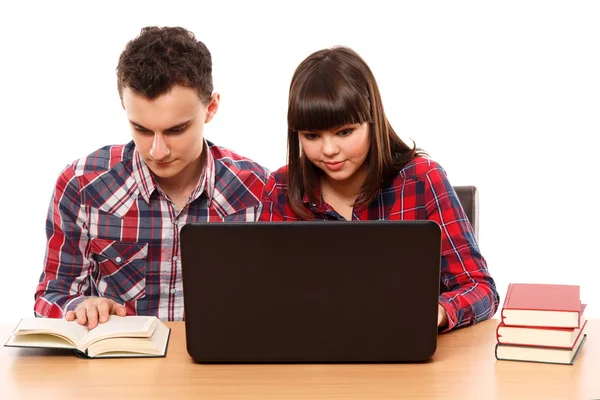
x=311, y=292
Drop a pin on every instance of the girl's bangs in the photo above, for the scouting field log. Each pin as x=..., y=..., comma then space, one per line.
x=327, y=106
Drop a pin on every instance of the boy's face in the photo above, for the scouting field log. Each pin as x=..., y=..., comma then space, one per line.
x=169, y=131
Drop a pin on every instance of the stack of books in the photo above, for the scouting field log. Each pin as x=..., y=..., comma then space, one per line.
x=541, y=323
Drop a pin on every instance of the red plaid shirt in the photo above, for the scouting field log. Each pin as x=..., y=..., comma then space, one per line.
x=113, y=233
x=420, y=191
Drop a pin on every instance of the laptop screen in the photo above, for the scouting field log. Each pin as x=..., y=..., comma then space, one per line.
x=355, y=291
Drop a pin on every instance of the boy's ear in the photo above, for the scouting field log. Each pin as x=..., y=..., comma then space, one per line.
x=213, y=106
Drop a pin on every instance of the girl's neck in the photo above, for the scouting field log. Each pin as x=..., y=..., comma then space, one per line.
x=347, y=189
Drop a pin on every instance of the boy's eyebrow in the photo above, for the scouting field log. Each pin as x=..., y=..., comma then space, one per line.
x=178, y=126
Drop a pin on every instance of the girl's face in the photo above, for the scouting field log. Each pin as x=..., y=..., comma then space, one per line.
x=339, y=152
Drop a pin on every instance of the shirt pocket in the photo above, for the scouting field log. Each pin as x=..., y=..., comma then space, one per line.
x=122, y=267
x=243, y=215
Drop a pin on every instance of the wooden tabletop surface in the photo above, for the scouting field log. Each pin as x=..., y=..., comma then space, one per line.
x=463, y=367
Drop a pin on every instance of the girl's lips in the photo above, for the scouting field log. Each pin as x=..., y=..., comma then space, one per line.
x=334, y=166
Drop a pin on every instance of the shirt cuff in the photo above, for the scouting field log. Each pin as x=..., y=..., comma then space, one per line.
x=73, y=303
x=450, y=313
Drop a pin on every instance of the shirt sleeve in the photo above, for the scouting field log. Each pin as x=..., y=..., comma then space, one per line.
x=65, y=280
x=468, y=292
x=271, y=202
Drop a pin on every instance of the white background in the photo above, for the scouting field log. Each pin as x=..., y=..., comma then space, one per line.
x=505, y=95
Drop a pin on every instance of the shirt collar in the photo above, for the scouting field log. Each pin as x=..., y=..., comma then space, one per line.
x=319, y=206
x=147, y=185
x=323, y=207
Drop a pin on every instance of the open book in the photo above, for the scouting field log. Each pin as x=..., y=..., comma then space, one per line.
x=131, y=336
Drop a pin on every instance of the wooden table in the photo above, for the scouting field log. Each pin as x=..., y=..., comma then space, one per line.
x=463, y=367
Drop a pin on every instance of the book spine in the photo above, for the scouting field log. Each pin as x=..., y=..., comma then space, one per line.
x=82, y=354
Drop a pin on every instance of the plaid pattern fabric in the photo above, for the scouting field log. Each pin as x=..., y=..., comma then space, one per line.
x=420, y=191
x=113, y=233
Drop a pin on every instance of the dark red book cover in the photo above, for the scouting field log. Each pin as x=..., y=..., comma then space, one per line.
x=551, y=298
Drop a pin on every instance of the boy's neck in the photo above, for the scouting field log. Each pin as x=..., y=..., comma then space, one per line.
x=180, y=186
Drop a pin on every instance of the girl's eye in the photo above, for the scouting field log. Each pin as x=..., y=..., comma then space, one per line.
x=311, y=136
x=345, y=132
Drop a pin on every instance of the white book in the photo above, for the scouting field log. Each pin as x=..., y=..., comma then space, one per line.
x=131, y=336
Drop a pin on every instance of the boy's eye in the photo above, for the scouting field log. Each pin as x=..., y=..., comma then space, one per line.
x=177, y=130
x=140, y=129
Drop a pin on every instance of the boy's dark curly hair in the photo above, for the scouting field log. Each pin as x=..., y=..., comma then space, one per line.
x=163, y=57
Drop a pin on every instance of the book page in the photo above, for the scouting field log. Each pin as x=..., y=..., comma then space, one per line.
x=133, y=346
x=160, y=338
x=130, y=326
x=70, y=331
x=40, y=340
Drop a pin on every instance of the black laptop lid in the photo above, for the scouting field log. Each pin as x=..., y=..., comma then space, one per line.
x=311, y=291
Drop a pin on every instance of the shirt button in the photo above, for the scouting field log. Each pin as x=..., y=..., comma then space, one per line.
x=175, y=258
x=118, y=259
x=175, y=222
x=173, y=291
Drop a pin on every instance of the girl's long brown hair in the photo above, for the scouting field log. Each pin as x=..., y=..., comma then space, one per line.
x=331, y=88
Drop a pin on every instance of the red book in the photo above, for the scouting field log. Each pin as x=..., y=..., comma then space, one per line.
x=542, y=305
x=536, y=336
x=540, y=354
